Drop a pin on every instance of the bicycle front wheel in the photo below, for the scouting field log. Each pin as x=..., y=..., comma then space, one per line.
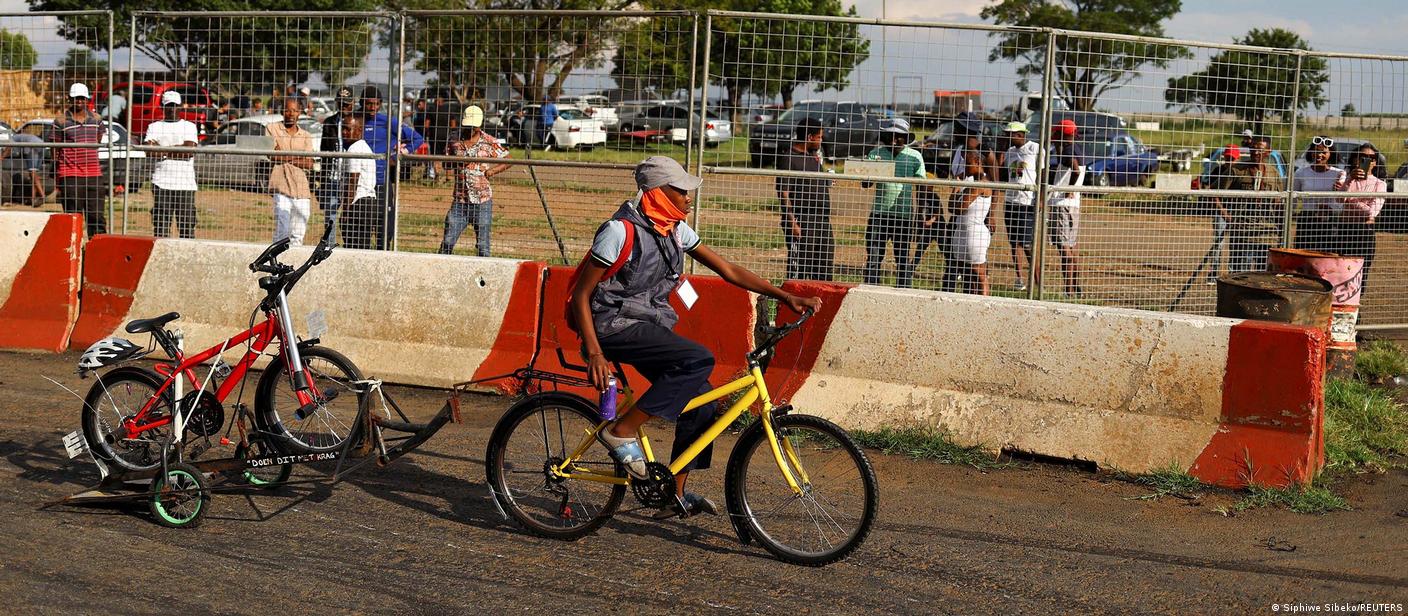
x=327, y=421
x=531, y=438
x=835, y=509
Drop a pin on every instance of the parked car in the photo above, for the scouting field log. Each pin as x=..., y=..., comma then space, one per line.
x=850, y=131
x=1117, y=158
x=676, y=123
x=117, y=135
x=243, y=170
x=596, y=106
x=937, y=148
x=573, y=129
x=1088, y=123
x=762, y=114
x=144, y=105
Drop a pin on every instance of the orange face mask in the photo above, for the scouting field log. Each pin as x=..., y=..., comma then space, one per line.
x=660, y=210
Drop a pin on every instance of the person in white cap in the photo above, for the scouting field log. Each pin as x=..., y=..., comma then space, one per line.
x=472, y=202
x=627, y=317
x=1019, y=210
x=174, y=177
x=892, y=213
x=79, y=173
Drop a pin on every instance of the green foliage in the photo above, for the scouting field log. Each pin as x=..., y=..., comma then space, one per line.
x=1312, y=499
x=1380, y=360
x=927, y=444
x=81, y=62
x=1253, y=85
x=1365, y=430
x=1171, y=480
x=1348, y=110
x=1086, y=68
x=15, y=52
x=262, y=50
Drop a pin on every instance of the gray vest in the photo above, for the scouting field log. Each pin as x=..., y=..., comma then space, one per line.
x=640, y=291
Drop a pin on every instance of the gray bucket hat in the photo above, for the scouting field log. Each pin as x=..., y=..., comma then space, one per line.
x=898, y=126
x=658, y=171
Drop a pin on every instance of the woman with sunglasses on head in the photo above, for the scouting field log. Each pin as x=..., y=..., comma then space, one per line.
x=1356, y=218
x=1315, y=223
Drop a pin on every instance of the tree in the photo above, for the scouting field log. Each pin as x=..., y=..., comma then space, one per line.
x=765, y=57
x=81, y=63
x=260, y=50
x=532, y=54
x=1348, y=110
x=1086, y=67
x=1254, y=84
x=15, y=52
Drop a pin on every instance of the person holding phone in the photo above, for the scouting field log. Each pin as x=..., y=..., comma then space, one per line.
x=1316, y=220
x=1356, y=237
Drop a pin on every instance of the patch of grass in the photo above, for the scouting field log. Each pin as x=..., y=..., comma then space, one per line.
x=1172, y=480
x=1365, y=429
x=1380, y=360
x=1313, y=499
x=926, y=444
x=730, y=236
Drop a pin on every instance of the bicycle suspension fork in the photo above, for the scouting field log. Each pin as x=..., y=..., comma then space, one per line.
x=295, y=369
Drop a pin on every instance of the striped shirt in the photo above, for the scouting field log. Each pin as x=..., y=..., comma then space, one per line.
x=78, y=162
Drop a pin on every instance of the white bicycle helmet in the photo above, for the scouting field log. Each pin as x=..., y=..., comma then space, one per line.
x=107, y=352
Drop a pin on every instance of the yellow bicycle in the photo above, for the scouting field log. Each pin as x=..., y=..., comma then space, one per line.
x=796, y=484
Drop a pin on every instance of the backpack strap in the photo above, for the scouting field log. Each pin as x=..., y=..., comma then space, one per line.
x=626, y=248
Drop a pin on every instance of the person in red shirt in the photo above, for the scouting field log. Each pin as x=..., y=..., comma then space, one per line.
x=80, y=176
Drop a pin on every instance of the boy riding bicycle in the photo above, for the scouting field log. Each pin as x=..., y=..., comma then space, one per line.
x=631, y=320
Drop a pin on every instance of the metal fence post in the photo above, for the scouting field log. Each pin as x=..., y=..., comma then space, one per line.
x=693, y=68
x=396, y=81
x=111, y=164
x=703, y=70
x=1039, y=230
x=131, y=77
x=1286, y=216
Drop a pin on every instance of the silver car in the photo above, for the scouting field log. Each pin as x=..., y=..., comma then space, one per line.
x=675, y=121
x=242, y=170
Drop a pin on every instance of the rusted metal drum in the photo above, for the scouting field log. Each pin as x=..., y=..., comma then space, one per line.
x=1345, y=275
x=1275, y=296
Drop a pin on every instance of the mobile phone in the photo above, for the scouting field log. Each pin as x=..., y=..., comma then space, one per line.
x=1363, y=163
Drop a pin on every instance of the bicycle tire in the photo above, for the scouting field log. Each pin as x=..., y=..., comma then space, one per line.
x=332, y=421
x=762, y=516
x=270, y=477
x=180, y=497
x=119, y=394
x=531, y=464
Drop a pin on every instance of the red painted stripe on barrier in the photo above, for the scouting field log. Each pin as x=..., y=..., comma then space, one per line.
x=1273, y=400
x=722, y=320
x=112, y=267
x=513, y=347
x=43, y=301
x=796, y=355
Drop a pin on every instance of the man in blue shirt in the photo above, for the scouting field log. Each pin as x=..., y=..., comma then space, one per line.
x=379, y=134
x=549, y=116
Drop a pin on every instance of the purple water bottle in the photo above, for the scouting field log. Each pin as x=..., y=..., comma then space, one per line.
x=608, y=399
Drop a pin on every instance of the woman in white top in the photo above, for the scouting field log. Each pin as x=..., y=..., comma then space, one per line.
x=971, y=235
x=1316, y=219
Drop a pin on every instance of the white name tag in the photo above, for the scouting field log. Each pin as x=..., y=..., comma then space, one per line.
x=687, y=294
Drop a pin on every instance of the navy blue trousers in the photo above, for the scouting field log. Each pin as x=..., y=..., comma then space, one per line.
x=678, y=370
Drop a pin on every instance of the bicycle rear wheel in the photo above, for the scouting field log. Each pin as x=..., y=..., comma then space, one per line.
x=534, y=435
x=117, y=396
x=323, y=424
x=833, y=514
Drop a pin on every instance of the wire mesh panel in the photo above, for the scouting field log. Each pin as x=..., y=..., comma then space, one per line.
x=45, y=57
x=595, y=88
x=248, y=89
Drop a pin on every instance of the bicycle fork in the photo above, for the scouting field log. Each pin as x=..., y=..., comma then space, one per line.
x=295, y=369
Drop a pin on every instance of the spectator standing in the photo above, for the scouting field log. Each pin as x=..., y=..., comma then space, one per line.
x=1254, y=222
x=806, y=207
x=383, y=135
x=971, y=235
x=257, y=107
x=1019, y=209
x=357, y=187
x=30, y=188
x=472, y=202
x=1317, y=218
x=174, y=177
x=288, y=181
x=1067, y=168
x=549, y=118
x=80, y=175
x=1356, y=230
x=441, y=125
x=330, y=187
x=518, y=128
x=892, y=212
x=1220, y=216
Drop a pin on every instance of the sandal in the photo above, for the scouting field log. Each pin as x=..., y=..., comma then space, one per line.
x=625, y=450
x=693, y=504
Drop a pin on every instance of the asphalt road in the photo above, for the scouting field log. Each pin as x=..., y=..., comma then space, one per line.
x=422, y=536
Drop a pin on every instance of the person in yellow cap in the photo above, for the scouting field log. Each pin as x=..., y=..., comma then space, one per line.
x=472, y=202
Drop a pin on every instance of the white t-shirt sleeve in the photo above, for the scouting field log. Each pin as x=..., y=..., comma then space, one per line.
x=188, y=133
x=689, y=239
x=606, y=247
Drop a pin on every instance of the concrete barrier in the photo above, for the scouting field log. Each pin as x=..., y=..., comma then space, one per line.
x=408, y=318
x=39, y=278
x=1126, y=389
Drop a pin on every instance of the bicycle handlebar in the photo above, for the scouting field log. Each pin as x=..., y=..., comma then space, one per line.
x=288, y=275
x=776, y=334
x=270, y=254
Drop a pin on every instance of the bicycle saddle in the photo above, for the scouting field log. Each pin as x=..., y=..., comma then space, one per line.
x=138, y=326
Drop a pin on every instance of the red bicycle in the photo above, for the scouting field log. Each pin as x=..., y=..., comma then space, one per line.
x=307, y=400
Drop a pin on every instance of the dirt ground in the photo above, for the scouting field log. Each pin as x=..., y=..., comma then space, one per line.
x=422, y=536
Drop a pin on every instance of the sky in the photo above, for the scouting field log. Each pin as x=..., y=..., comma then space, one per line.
x=906, y=64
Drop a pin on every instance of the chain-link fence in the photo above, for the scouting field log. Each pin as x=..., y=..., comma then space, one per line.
x=1190, y=158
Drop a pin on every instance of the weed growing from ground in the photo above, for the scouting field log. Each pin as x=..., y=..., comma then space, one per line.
x=926, y=444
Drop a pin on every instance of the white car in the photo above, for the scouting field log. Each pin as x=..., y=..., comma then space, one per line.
x=236, y=170
x=574, y=129
x=596, y=106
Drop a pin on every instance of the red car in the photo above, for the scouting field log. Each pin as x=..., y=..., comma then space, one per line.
x=145, y=104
